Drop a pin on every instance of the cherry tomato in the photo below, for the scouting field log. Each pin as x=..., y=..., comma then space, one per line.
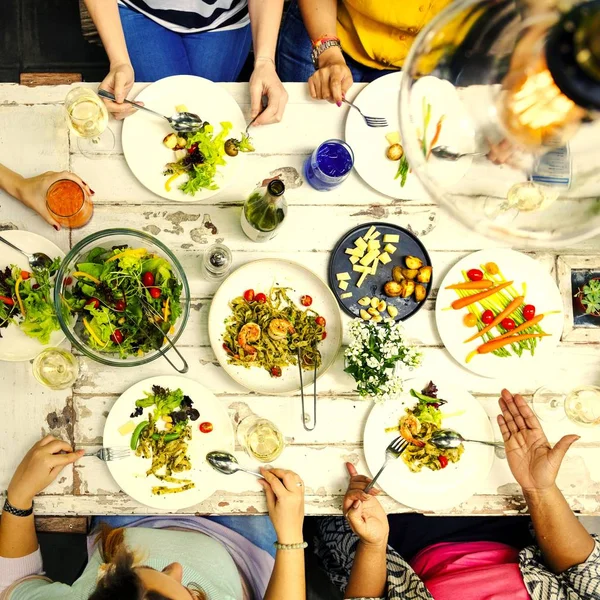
x=93, y=302
x=206, y=427
x=25, y=275
x=249, y=295
x=275, y=371
x=193, y=148
x=487, y=317
x=320, y=321
x=443, y=461
x=260, y=297
x=306, y=300
x=116, y=336
x=529, y=312
x=35, y=286
x=508, y=324
x=68, y=280
x=120, y=305
x=470, y=320
x=475, y=275
x=324, y=335
x=148, y=279
x=154, y=292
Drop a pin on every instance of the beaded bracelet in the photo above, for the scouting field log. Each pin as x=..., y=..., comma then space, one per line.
x=299, y=546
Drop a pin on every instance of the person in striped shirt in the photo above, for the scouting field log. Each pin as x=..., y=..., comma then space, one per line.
x=148, y=40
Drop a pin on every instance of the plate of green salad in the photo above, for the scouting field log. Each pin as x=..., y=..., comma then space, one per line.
x=191, y=166
x=28, y=321
x=121, y=293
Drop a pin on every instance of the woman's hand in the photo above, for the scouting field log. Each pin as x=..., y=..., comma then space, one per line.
x=265, y=82
x=40, y=467
x=32, y=192
x=333, y=78
x=285, y=500
x=533, y=462
x=363, y=511
x=119, y=82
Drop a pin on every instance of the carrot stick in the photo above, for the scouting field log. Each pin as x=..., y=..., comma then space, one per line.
x=484, y=284
x=512, y=306
x=436, y=136
x=522, y=327
x=462, y=302
x=497, y=343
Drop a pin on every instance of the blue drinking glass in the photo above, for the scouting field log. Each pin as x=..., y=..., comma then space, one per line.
x=329, y=165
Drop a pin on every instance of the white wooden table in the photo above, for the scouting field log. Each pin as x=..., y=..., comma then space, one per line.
x=34, y=137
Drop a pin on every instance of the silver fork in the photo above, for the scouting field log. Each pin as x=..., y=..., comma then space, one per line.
x=392, y=452
x=108, y=454
x=370, y=121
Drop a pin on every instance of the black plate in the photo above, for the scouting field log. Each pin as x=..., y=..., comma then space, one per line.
x=409, y=245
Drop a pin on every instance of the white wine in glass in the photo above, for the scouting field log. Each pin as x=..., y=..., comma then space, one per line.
x=581, y=405
x=260, y=438
x=88, y=119
x=56, y=368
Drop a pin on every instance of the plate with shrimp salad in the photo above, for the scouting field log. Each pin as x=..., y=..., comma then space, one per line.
x=426, y=478
x=266, y=317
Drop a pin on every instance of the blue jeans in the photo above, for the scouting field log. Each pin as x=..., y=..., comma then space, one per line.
x=257, y=529
x=294, y=48
x=157, y=52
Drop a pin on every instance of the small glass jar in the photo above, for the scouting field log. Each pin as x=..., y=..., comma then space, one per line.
x=216, y=262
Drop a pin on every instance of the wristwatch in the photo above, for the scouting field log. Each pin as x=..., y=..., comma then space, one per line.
x=17, y=512
x=320, y=46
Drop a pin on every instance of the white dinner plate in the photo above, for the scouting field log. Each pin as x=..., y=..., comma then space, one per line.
x=143, y=133
x=431, y=490
x=381, y=99
x=130, y=473
x=14, y=344
x=261, y=276
x=542, y=292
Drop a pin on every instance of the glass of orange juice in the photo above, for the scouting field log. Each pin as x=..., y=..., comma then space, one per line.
x=69, y=204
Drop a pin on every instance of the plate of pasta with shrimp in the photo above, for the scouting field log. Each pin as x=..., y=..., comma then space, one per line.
x=271, y=320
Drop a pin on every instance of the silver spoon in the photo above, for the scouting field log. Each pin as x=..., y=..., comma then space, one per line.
x=447, y=438
x=227, y=463
x=446, y=153
x=37, y=260
x=184, y=122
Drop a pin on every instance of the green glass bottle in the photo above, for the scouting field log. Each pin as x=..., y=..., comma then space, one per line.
x=264, y=212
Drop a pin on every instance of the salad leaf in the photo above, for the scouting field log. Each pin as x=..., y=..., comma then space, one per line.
x=93, y=269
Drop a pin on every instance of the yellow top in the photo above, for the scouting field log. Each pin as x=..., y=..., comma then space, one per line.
x=379, y=33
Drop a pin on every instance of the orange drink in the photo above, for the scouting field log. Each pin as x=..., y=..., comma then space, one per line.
x=68, y=203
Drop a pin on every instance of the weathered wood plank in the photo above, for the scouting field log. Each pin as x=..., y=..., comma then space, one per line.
x=62, y=524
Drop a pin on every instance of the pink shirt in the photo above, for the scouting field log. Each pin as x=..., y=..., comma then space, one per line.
x=471, y=571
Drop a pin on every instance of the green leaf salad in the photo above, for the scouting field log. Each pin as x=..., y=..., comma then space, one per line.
x=126, y=300
x=26, y=301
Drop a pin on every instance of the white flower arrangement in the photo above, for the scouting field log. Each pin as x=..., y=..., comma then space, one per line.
x=376, y=357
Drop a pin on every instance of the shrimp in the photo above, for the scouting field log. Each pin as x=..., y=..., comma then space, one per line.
x=410, y=426
x=279, y=328
x=250, y=332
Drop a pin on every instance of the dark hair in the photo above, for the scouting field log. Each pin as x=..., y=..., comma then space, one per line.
x=121, y=582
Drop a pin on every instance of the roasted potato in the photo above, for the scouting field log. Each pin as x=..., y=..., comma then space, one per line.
x=410, y=273
x=395, y=152
x=170, y=141
x=408, y=287
x=420, y=292
x=392, y=289
x=392, y=311
x=424, y=275
x=181, y=143
x=412, y=262
x=397, y=274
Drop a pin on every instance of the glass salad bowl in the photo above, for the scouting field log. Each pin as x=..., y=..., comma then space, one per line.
x=118, y=293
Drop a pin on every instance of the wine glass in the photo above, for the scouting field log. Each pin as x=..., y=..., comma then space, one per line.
x=88, y=119
x=56, y=368
x=581, y=405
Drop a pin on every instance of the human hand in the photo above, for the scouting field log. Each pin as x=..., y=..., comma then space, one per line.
x=32, y=192
x=265, y=82
x=119, y=82
x=533, y=462
x=363, y=511
x=40, y=467
x=333, y=78
x=285, y=500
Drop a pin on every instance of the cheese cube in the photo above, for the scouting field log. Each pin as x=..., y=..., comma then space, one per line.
x=360, y=243
x=384, y=258
x=360, y=269
x=375, y=235
x=343, y=285
x=354, y=252
x=374, y=266
x=369, y=233
x=346, y=295
x=369, y=257
x=362, y=278
x=127, y=428
x=389, y=248
x=343, y=276
x=354, y=259
x=390, y=238
x=373, y=245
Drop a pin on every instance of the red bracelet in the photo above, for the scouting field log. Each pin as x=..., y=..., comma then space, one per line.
x=322, y=40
